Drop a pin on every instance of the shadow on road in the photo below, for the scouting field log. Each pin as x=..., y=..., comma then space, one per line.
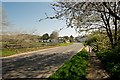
x=35, y=66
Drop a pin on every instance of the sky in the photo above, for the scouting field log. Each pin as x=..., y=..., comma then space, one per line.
x=24, y=18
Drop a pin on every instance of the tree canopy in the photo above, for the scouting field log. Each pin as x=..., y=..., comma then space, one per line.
x=45, y=36
x=54, y=35
x=90, y=16
x=71, y=38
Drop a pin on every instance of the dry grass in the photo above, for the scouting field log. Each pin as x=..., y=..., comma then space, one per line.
x=15, y=44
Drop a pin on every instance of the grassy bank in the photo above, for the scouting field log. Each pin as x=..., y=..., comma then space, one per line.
x=74, y=69
x=30, y=47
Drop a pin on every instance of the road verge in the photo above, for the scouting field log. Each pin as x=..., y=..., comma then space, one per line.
x=75, y=68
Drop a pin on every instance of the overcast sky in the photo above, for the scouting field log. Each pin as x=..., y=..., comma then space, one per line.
x=24, y=17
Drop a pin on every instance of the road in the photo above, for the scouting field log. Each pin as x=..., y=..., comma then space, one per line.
x=39, y=64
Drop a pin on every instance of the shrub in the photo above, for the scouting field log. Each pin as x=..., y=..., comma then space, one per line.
x=111, y=61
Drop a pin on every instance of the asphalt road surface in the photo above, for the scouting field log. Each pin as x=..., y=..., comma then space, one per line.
x=39, y=64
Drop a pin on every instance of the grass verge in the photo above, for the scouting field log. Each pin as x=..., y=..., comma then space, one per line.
x=64, y=44
x=8, y=52
x=74, y=69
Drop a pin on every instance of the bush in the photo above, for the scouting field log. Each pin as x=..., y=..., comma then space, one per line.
x=74, y=69
x=111, y=61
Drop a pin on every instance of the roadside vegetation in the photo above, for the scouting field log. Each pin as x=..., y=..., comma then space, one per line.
x=73, y=69
x=111, y=61
x=110, y=57
x=16, y=44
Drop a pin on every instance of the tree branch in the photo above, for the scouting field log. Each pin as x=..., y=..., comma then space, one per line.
x=111, y=12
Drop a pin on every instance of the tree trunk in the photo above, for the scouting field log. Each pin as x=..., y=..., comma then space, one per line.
x=110, y=34
x=115, y=36
x=115, y=24
x=107, y=27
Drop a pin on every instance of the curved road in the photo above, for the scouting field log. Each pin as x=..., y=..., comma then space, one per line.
x=39, y=64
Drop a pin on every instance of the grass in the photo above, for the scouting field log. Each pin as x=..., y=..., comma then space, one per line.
x=7, y=52
x=74, y=69
x=34, y=47
x=64, y=44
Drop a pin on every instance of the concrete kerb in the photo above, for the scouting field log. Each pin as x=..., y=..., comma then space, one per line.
x=81, y=49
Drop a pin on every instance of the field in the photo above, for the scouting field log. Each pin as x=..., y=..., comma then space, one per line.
x=16, y=44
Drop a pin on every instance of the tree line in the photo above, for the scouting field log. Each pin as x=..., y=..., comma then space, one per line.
x=55, y=36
